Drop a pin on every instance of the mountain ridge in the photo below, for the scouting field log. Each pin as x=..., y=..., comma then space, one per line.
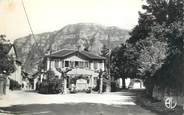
x=81, y=35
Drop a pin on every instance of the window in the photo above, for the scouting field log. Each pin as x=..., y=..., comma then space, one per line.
x=66, y=63
x=76, y=64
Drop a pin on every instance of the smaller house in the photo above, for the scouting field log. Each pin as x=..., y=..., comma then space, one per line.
x=16, y=75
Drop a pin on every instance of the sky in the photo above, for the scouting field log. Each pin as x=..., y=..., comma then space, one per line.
x=51, y=15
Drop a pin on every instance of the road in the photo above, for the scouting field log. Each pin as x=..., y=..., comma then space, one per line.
x=28, y=103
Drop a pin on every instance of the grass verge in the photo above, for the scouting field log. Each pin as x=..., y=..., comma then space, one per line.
x=156, y=106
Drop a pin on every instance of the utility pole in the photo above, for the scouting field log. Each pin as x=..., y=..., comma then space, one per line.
x=108, y=86
x=50, y=58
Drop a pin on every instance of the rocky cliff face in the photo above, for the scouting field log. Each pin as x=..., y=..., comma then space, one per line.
x=80, y=36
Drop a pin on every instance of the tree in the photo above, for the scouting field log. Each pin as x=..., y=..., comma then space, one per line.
x=6, y=61
x=156, y=12
x=123, y=63
x=50, y=75
x=151, y=57
x=158, y=37
x=171, y=74
x=153, y=51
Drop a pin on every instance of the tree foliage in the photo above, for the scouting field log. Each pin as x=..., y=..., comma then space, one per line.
x=50, y=75
x=7, y=65
x=171, y=74
x=123, y=62
x=153, y=51
x=157, y=12
x=158, y=39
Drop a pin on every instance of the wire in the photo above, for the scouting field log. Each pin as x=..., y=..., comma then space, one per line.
x=28, y=62
x=25, y=11
x=28, y=20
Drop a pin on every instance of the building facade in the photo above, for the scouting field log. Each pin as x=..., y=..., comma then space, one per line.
x=85, y=67
x=16, y=75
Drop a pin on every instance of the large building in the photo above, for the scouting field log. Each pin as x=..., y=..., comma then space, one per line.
x=84, y=65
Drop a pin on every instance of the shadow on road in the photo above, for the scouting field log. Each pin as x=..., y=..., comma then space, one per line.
x=116, y=103
x=156, y=106
x=76, y=109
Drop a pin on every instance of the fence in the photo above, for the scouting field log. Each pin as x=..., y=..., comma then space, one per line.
x=161, y=93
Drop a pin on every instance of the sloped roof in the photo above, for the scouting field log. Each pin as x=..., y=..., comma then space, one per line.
x=68, y=52
x=62, y=53
x=91, y=55
x=7, y=47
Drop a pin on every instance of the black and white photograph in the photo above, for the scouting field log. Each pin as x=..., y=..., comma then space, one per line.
x=91, y=57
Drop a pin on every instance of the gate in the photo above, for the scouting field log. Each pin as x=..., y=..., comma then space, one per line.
x=2, y=86
x=81, y=84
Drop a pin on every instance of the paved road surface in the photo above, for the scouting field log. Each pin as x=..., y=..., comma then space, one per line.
x=28, y=103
